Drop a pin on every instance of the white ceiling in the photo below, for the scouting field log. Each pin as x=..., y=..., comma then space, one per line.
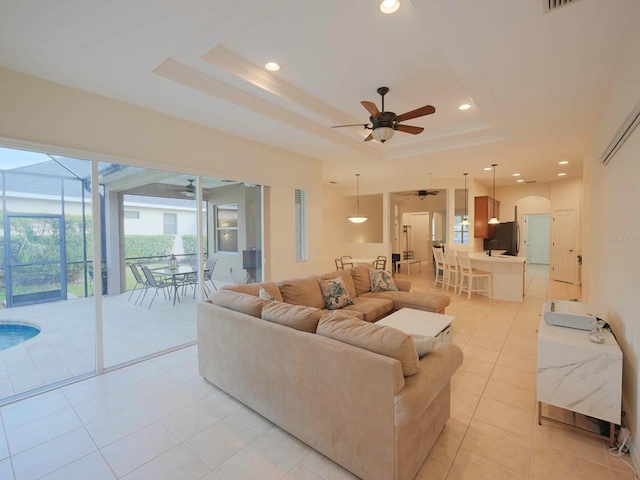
x=536, y=81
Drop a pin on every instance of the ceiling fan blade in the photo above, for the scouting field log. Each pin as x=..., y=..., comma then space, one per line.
x=372, y=109
x=370, y=137
x=351, y=125
x=409, y=129
x=418, y=112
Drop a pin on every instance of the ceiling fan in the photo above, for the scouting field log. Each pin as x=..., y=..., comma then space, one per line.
x=384, y=124
x=422, y=194
x=190, y=190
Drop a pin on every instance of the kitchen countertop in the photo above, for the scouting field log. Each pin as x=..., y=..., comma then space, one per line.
x=496, y=257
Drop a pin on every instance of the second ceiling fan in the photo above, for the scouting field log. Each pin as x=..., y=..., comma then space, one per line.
x=384, y=124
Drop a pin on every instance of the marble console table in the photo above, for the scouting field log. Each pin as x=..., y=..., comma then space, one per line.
x=579, y=375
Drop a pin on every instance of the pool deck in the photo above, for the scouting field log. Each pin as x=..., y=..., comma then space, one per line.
x=66, y=348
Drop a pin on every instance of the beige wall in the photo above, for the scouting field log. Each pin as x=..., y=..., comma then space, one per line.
x=612, y=230
x=69, y=121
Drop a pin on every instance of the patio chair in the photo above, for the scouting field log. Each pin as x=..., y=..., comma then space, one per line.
x=191, y=279
x=208, y=271
x=157, y=284
x=139, y=281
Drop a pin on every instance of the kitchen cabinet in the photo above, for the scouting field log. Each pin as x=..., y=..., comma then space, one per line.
x=485, y=208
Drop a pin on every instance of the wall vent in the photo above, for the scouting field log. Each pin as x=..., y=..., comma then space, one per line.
x=552, y=5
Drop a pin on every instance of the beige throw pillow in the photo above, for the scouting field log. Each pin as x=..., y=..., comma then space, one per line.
x=295, y=316
x=335, y=293
x=380, y=339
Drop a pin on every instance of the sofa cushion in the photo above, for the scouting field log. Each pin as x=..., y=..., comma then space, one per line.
x=346, y=277
x=254, y=289
x=379, y=339
x=295, y=316
x=334, y=293
x=361, y=280
x=302, y=291
x=346, y=311
x=382, y=281
x=240, y=302
x=430, y=302
x=372, y=309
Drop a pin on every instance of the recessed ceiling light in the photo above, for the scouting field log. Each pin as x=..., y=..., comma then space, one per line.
x=464, y=106
x=488, y=169
x=564, y=162
x=516, y=174
x=389, y=6
x=272, y=66
x=520, y=180
x=561, y=174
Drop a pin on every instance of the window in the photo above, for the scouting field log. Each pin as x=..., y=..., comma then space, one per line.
x=227, y=228
x=460, y=232
x=302, y=247
x=132, y=214
x=170, y=221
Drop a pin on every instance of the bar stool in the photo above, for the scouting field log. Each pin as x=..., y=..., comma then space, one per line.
x=470, y=273
x=438, y=256
x=452, y=271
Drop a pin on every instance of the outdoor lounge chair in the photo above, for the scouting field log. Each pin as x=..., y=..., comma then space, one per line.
x=157, y=284
x=139, y=281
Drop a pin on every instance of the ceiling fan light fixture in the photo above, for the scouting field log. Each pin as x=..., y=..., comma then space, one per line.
x=357, y=218
x=389, y=6
x=382, y=134
x=190, y=190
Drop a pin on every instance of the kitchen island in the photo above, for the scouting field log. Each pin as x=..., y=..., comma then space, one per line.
x=507, y=274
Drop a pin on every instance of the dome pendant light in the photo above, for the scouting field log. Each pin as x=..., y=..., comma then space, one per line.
x=357, y=218
x=465, y=219
x=494, y=220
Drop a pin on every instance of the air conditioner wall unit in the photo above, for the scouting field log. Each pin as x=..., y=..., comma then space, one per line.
x=626, y=129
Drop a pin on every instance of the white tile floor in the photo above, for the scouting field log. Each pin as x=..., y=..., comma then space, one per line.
x=159, y=420
x=65, y=347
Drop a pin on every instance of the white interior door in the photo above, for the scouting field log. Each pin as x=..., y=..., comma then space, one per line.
x=564, y=266
x=538, y=239
x=420, y=237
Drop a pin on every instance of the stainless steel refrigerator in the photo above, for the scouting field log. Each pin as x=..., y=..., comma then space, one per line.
x=508, y=236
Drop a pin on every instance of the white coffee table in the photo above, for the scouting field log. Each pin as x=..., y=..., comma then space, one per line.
x=421, y=323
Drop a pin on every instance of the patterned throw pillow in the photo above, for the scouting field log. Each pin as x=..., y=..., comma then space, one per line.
x=266, y=295
x=382, y=281
x=335, y=293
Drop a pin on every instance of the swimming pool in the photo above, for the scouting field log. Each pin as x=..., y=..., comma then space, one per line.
x=12, y=334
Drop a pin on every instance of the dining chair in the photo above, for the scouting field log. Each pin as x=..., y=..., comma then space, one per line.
x=469, y=273
x=157, y=284
x=339, y=264
x=346, y=261
x=438, y=256
x=380, y=263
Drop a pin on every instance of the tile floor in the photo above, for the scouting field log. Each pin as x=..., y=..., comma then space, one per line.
x=159, y=420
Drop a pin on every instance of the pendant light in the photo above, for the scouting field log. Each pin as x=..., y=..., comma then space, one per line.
x=465, y=219
x=494, y=220
x=357, y=218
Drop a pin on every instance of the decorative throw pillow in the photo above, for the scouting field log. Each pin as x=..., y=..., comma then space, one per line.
x=335, y=293
x=382, y=281
x=423, y=344
x=266, y=295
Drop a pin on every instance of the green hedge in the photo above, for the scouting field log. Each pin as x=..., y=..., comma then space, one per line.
x=148, y=245
x=189, y=244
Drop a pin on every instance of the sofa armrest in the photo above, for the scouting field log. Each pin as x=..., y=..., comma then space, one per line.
x=403, y=285
x=436, y=370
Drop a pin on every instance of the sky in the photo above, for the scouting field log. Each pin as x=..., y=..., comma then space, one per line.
x=10, y=159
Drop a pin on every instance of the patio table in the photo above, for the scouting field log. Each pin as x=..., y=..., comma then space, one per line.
x=175, y=274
